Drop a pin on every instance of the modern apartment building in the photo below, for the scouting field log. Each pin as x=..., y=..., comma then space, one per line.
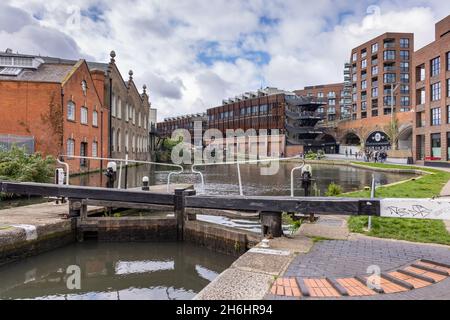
x=334, y=98
x=381, y=75
x=431, y=82
x=57, y=105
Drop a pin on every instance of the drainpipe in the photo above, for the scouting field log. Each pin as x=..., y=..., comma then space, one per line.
x=62, y=110
x=110, y=117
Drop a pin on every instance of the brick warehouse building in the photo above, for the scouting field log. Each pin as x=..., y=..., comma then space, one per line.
x=56, y=104
x=131, y=113
x=187, y=122
x=431, y=82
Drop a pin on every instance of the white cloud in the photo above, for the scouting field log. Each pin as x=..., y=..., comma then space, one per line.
x=305, y=43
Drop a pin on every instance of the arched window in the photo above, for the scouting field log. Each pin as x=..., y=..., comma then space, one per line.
x=119, y=109
x=127, y=142
x=71, y=111
x=113, y=106
x=139, y=120
x=133, y=143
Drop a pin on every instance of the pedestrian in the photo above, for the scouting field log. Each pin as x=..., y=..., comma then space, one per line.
x=346, y=153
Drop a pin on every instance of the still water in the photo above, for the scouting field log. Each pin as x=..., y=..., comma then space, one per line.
x=168, y=271
x=224, y=179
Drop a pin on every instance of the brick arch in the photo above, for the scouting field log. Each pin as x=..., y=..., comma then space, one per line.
x=345, y=134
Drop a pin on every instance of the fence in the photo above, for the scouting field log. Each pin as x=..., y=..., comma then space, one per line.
x=8, y=141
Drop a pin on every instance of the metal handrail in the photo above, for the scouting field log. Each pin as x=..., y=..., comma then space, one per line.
x=67, y=168
x=127, y=161
x=292, y=177
x=237, y=163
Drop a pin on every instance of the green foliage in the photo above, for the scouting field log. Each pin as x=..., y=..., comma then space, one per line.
x=311, y=155
x=334, y=190
x=428, y=186
x=16, y=165
x=169, y=144
x=416, y=230
x=294, y=224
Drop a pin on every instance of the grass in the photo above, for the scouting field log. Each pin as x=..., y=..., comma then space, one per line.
x=319, y=239
x=428, y=186
x=415, y=230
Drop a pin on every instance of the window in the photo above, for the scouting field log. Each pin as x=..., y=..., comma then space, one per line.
x=436, y=116
x=95, y=119
x=404, y=55
x=139, y=120
x=448, y=88
x=374, y=92
x=84, y=87
x=388, y=101
x=119, y=109
x=404, y=101
x=355, y=57
x=404, y=66
x=389, y=55
x=421, y=96
x=404, y=43
x=421, y=73
x=364, y=106
x=70, y=147
x=363, y=53
x=435, y=66
x=448, y=60
x=84, y=115
x=448, y=116
x=332, y=102
x=119, y=141
x=363, y=85
x=375, y=47
x=436, y=145
x=436, y=91
x=113, y=105
x=71, y=111
x=127, y=142
x=364, y=64
x=404, y=89
x=374, y=70
x=389, y=78
x=320, y=95
x=94, y=149
x=404, y=77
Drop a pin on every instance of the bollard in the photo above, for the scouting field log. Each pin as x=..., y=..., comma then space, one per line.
x=111, y=174
x=271, y=224
x=179, y=208
x=60, y=180
x=145, y=184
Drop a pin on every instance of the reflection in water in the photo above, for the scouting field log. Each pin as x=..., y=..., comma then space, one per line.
x=115, y=271
x=224, y=180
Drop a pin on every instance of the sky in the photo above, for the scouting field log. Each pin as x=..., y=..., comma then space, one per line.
x=192, y=54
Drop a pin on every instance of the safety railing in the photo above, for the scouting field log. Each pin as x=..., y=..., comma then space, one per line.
x=238, y=166
x=125, y=161
x=292, y=177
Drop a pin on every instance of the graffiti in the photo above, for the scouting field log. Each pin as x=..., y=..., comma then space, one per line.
x=416, y=211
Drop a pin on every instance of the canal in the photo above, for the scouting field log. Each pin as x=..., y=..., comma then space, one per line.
x=223, y=180
x=119, y=271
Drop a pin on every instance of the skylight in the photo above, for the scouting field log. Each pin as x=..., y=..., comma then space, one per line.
x=10, y=71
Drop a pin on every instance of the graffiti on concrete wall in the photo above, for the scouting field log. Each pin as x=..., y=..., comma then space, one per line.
x=415, y=208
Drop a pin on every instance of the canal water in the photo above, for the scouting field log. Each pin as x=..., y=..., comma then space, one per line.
x=137, y=271
x=223, y=180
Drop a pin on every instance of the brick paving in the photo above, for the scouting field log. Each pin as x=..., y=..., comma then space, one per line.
x=338, y=270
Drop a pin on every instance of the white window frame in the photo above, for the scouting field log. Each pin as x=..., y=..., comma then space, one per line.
x=71, y=110
x=70, y=147
x=95, y=118
x=95, y=149
x=84, y=115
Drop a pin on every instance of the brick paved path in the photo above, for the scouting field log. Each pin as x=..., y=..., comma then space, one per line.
x=332, y=264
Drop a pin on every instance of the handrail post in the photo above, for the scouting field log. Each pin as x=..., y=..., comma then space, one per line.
x=241, y=190
x=180, y=208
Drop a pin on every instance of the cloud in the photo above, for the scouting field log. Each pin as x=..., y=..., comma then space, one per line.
x=194, y=53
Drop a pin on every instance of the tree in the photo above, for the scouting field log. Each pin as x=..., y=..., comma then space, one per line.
x=393, y=131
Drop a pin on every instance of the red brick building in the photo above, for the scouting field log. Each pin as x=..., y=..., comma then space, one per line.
x=431, y=82
x=58, y=105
